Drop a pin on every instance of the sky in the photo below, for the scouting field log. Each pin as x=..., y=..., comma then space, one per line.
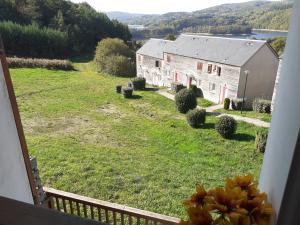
x=154, y=6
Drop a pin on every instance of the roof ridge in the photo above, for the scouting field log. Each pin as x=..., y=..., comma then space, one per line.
x=216, y=37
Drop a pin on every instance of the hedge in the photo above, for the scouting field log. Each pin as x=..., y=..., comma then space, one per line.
x=261, y=140
x=127, y=92
x=185, y=100
x=52, y=64
x=138, y=83
x=196, y=117
x=226, y=126
x=176, y=87
x=226, y=103
x=33, y=41
x=262, y=106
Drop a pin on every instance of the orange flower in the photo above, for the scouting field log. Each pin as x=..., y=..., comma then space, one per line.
x=240, y=181
x=221, y=221
x=199, y=216
x=227, y=199
x=238, y=203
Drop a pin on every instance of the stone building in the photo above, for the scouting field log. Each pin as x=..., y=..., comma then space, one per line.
x=220, y=67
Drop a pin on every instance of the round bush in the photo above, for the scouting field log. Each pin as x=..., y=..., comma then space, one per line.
x=196, y=117
x=127, y=92
x=176, y=87
x=226, y=103
x=261, y=140
x=138, y=83
x=197, y=91
x=119, y=88
x=185, y=100
x=226, y=126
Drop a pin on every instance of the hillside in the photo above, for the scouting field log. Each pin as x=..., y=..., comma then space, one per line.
x=126, y=17
x=80, y=23
x=222, y=19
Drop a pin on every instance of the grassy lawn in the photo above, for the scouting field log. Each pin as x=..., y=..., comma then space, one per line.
x=139, y=152
x=204, y=102
x=252, y=114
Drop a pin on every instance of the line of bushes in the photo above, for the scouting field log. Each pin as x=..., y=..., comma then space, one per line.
x=52, y=64
x=258, y=105
x=32, y=41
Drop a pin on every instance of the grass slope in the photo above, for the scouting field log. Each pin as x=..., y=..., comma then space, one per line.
x=139, y=152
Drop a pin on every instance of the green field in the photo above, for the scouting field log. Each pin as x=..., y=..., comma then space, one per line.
x=139, y=152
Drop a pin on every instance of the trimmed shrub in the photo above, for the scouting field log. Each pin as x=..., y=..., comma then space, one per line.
x=261, y=140
x=236, y=104
x=185, y=100
x=262, y=106
x=197, y=91
x=196, y=117
x=226, y=103
x=127, y=92
x=118, y=89
x=52, y=64
x=226, y=126
x=138, y=83
x=176, y=87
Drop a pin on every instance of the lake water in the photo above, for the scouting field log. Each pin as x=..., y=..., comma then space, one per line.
x=258, y=34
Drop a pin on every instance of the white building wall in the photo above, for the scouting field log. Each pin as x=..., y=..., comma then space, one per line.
x=262, y=69
x=14, y=181
x=226, y=85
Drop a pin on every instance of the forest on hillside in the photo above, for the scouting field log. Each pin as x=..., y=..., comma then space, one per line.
x=37, y=27
x=238, y=18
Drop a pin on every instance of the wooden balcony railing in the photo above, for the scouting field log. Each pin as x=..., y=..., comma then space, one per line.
x=102, y=211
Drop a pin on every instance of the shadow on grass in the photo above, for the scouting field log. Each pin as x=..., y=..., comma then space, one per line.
x=208, y=126
x=136, y=97
x=243, y=137
x=151, y=89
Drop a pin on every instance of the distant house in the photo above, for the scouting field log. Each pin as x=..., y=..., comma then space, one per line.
x=220, y=67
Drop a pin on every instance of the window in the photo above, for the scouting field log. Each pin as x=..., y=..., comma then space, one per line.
x=219, y=69
x=199, y=66
x=157, y=63
x=209, y=68
x=212, y=87
x=168, y=58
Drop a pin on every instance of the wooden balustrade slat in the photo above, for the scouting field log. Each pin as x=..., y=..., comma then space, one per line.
x=115, y=218
x=78, y=208
x=130, y=220
x=138, y=221
x=92, y=212
x=110, y=207
x=99, y=214
x=57, y=204
x=64, y=205
x=106, y=216
x=71, y=207
x=84, y=211
x=122, y=219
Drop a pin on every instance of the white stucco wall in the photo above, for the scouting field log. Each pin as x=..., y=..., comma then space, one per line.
x=262, y=69
x=14, y=181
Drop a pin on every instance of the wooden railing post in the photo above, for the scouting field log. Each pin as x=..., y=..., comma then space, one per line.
x=111, y=211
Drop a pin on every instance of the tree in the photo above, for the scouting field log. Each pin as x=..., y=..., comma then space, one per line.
x=113, y=56
x=170, y=37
